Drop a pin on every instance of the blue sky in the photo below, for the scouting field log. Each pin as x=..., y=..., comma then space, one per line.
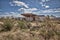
x=40, y=7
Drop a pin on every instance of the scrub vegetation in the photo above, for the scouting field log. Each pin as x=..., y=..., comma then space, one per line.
x=11, y=29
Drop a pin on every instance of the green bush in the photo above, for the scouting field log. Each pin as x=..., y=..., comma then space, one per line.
x=7, y=25
x=22, y=25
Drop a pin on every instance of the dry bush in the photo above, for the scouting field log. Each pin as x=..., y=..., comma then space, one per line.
x=22, y=30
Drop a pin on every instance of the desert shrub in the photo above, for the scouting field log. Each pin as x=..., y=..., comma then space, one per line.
x=34, y=28
x=48, y=30
x=7, y=25
x=22, y=25
x=47, y=34
x=29, y=25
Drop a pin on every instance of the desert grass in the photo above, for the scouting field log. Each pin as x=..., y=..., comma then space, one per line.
x=11, y=29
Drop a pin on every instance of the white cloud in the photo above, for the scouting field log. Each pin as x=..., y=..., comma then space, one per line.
x=9, y=14
x=57, y=11
x=11, y=4
x=29, y=10
x=45, y=0
x=15, y=14
x=40, y=3
x=32, y=9
x=43, y=3
x=46, y=6
x=19, y=3
x=49, y=11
